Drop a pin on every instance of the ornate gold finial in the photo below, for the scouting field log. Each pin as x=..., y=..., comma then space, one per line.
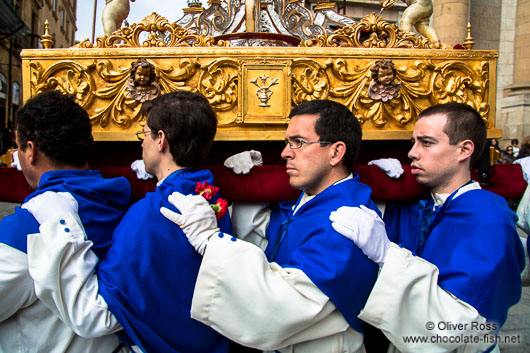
x=469, y=42
x=46, y=39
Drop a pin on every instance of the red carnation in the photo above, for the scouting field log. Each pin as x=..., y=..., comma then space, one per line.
x=206, y=190
x=220, y=208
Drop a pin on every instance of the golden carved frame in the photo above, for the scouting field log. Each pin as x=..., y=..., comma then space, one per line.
x=334, y=66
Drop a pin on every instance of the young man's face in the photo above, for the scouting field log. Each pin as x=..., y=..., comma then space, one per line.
x=308, y=167
x=434, y=160
x=149, y=152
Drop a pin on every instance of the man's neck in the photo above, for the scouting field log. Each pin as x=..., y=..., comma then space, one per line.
x=166, y=167
x=333, y=177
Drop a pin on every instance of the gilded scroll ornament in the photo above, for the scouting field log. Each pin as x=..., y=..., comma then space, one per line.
x=364, y=94
x=455, y=81
x=218, y=83
x=159, y=33
x=371, y=32
x=310, y=81
x=69, y=77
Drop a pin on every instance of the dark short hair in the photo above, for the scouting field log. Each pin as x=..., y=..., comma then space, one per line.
x=335, y=123
x=188, y=122
x=57, y=126
x=516, y=141
x=463, y=123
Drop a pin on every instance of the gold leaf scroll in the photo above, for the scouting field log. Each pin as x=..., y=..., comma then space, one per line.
x=69, y=77
x=218, y=83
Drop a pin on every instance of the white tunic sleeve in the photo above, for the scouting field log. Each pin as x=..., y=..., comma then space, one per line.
x=262, y=305
x=250, y=221
x=62, y=266
x=16, y=286
x=406, y=301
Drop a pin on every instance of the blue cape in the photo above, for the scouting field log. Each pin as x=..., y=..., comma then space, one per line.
x=334, y=263
x=149, y=275
x=102, y=203
x=473, y=242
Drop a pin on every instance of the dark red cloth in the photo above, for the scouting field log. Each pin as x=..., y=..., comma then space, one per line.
x=270, y=183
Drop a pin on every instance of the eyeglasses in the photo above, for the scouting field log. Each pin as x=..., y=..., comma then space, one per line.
x=297, y=143
x=141, y=134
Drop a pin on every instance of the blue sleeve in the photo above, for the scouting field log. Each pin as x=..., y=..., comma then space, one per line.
x=15, y=228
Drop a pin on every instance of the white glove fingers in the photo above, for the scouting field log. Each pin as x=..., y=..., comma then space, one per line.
x=256, y=157
x=172, y=216
x=369, y=211
x=351, y=234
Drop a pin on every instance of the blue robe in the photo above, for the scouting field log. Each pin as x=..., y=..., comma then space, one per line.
x=473, y=242
x=102, y=204
x=150, y=272
x=307, y=241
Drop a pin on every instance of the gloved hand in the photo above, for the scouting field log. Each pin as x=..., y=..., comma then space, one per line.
x=138, y=167
x=391, y=166
x=197, y=219
x=365, y=228
x=51, y=204
x=243, y=162
x=16, y=162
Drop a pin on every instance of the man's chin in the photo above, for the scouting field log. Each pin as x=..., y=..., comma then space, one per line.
x=294, y=184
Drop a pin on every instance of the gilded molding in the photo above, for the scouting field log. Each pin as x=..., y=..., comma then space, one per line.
x=341, y=66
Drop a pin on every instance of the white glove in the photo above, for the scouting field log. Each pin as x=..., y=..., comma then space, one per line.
x=16, y=162
x=197, y=219
x=391, y=166
x=243, y=162
x=365, y=228
x=138, y=167
x=50, y=204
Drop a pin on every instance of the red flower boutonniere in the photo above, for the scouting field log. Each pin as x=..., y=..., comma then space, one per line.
x=220, y=208
x=208, y=191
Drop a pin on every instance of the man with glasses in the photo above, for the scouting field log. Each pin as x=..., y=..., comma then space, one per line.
x=54, y=139
x=451, y=264
x=148, y=276
x=297, y=294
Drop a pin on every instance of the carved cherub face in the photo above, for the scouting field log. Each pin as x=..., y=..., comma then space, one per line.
x=385, y=75
x=142, y=76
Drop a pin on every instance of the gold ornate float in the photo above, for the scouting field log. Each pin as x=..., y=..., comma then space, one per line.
x=386, y=76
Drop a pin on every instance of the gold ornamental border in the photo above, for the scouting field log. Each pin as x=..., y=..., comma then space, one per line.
x=252, y=89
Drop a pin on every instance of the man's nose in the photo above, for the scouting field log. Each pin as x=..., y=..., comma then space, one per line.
x=287, y=152
x=413, y=153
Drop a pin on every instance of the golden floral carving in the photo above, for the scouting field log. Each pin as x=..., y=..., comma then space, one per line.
x=455, y=81
x=109, y=101
x=310, y=81
x=67, y=76
x=159, y=31
x=421, y=84
x=371, y=32
x=218, y=83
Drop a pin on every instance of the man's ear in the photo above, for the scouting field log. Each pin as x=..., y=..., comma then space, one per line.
x=337, y=152
x=31, y=152
x=161, y=141
x=466, y=149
